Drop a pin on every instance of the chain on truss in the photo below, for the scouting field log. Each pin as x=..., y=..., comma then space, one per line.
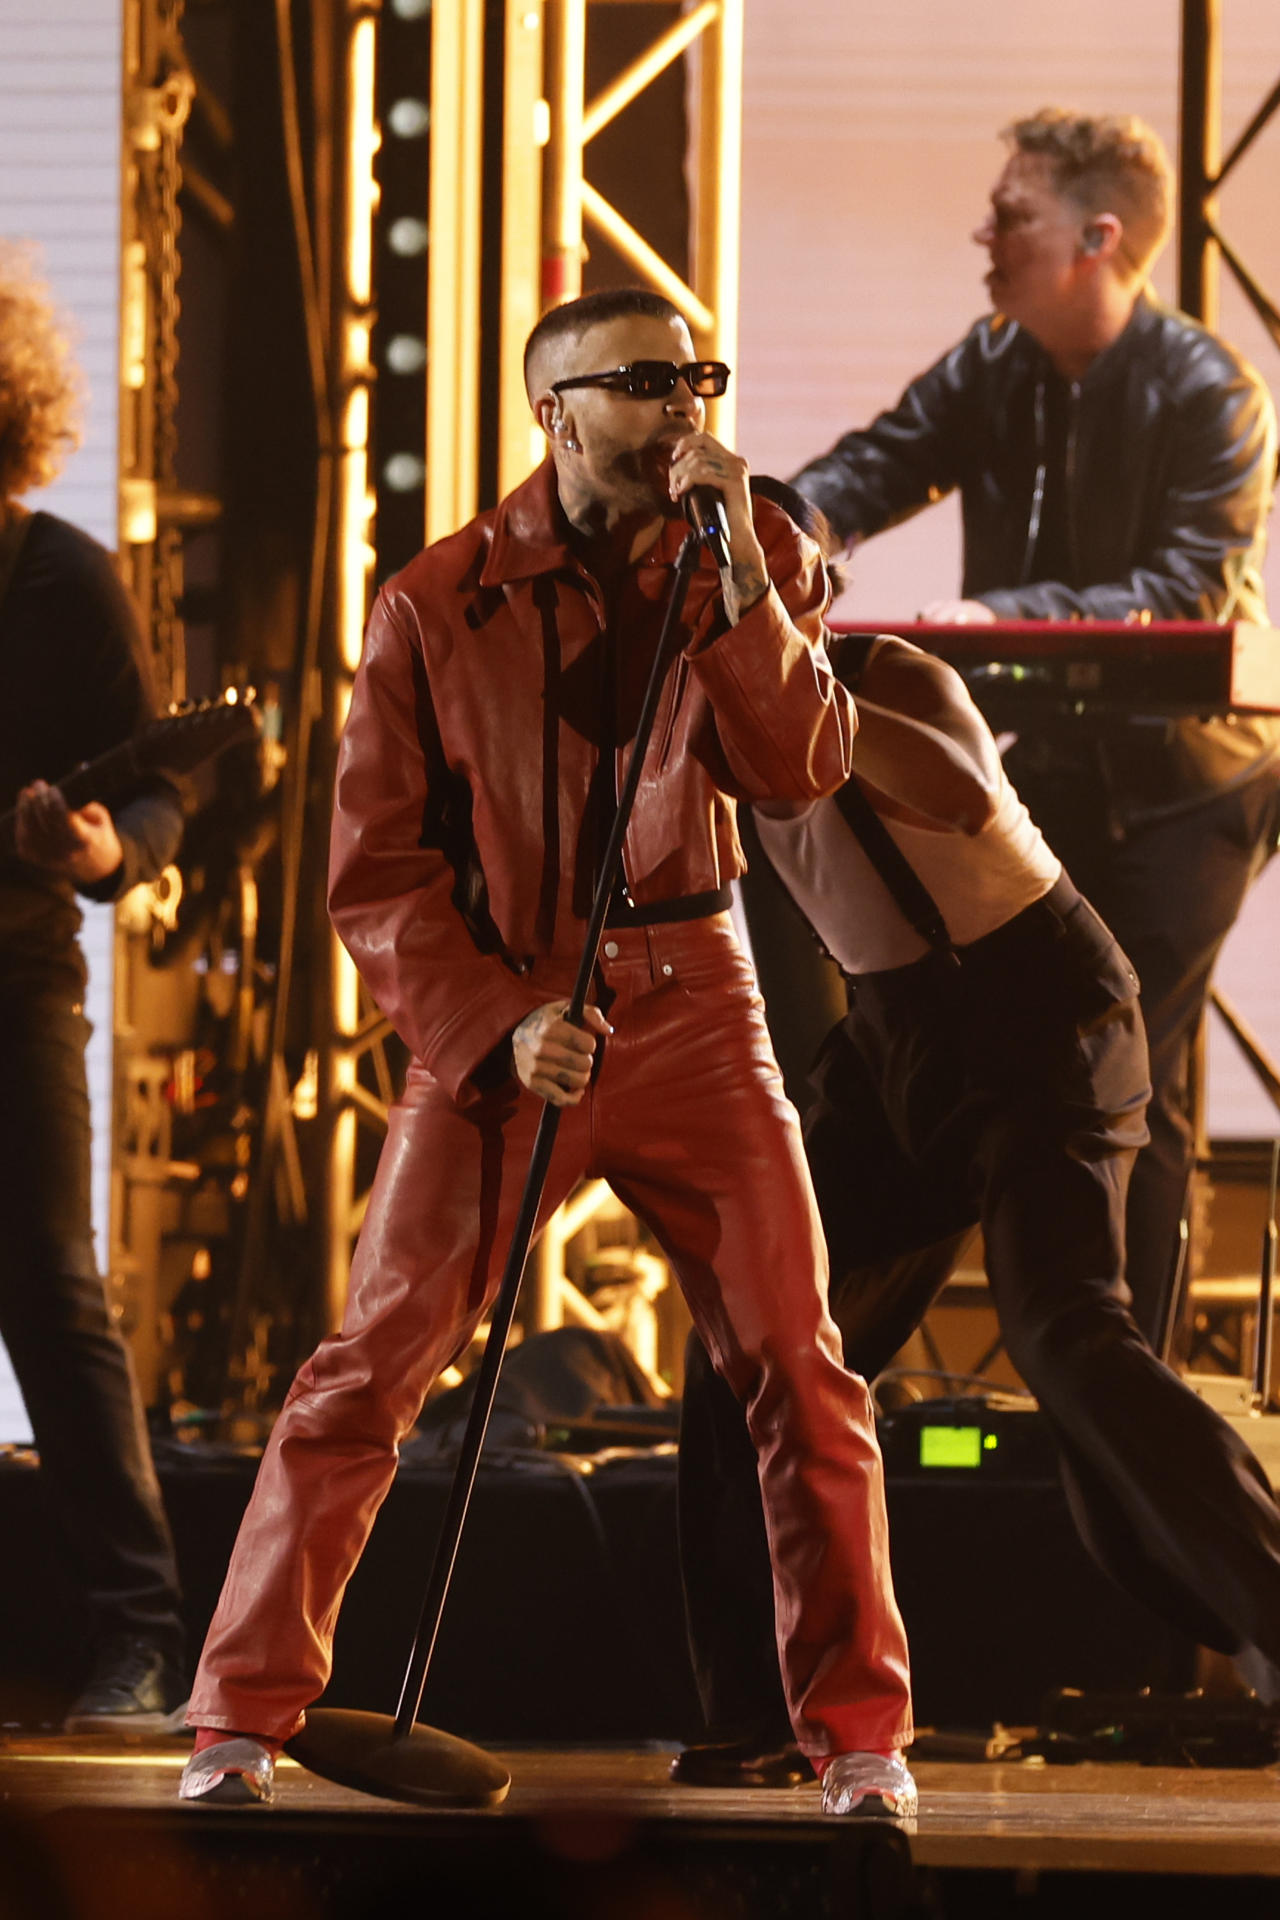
x=159, y=92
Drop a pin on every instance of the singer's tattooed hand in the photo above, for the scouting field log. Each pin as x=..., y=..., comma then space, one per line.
x=699, y=460
x=553, y=1058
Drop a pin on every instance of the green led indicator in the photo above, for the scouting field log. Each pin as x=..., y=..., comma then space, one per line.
x=951, y=1446
x=990, y=1441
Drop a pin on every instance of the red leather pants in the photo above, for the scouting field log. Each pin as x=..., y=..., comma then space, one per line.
x=687, y=1120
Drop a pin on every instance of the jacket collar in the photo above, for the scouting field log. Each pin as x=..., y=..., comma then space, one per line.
x=531, y=534
x=1146, y=317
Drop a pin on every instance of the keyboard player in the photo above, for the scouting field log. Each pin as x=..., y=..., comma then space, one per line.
x=1114, y=460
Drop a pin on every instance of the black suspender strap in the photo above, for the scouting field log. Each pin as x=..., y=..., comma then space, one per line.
x=909, y=893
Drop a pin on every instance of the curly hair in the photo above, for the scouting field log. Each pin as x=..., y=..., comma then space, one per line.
x=1106, y=163
x=40, y=385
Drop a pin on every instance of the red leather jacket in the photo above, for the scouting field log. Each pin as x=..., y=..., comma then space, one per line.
x=470, y=803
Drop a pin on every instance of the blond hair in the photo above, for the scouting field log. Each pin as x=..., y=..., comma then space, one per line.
x=40, y=385
x=1106, y=163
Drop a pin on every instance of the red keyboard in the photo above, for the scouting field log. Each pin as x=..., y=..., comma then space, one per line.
x=1167, y=667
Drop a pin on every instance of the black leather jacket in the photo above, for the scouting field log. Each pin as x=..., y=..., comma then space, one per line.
x=1145, y=485
x=1167, y=467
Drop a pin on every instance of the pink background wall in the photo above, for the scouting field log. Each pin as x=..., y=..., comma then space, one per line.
x=870, y=144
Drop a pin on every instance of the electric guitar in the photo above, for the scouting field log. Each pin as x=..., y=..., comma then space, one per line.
x=177, y=743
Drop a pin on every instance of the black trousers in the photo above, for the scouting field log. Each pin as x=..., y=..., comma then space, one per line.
x=71, y=1363
x=1170, y=889
x=1008, y=1092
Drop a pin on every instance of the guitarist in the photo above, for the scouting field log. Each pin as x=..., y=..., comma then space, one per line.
x=75, y=686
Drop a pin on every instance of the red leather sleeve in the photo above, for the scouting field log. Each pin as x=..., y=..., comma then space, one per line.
x=390, y=895
x=785, y=724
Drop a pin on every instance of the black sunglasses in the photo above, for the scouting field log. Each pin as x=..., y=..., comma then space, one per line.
x=655, y=379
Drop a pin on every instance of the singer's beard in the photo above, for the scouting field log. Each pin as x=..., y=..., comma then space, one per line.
x=642, y=476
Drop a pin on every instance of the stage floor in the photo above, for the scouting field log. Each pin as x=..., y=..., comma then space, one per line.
x=1022, y=1817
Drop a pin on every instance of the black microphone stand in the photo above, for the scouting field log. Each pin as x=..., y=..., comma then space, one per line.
x=398, y=1758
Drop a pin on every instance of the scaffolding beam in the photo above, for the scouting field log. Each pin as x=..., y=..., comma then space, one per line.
x=1203, y=248
x=705, y=289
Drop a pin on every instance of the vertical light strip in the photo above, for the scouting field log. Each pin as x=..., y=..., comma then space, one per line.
x=354, y=551
x=362, y=145
x=562, y=210
x=354, y=560
x=718, y=210
x=453, y=277
x=470, y=188
x=521, y=219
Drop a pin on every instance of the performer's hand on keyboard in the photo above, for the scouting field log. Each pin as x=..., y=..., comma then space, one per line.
x=957, y=613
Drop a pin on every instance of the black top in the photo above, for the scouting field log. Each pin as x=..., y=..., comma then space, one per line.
x=1159, y=465
x=1143, y=487
x=74, y=679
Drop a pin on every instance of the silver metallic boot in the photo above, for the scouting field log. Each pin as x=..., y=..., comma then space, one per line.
x=238, y=1772
x=870, y=1786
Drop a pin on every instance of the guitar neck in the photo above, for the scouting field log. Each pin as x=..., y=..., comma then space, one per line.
x=105, y=779
x=174, y=745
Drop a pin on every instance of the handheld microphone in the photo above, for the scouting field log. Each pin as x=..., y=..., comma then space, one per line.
x=706, y=513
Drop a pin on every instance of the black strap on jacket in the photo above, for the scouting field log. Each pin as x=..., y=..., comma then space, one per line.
x=906, y=889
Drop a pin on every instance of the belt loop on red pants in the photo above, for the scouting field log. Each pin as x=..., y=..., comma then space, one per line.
x=633, y=950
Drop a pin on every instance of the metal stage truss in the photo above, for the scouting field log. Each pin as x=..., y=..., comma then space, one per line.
x=1204, y=248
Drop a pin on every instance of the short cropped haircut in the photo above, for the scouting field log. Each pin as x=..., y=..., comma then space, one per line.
x=1106, y=163
x=591, y=310
x=40, y=387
